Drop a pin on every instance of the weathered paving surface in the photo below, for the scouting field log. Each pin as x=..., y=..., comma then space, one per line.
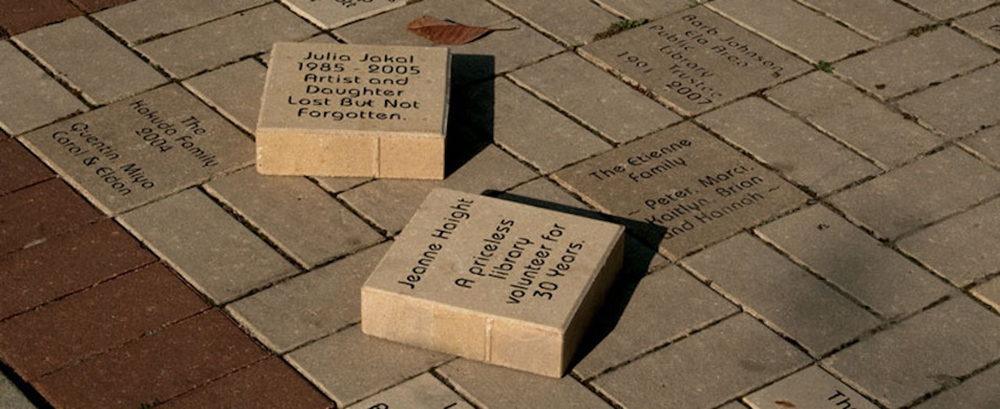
x=811, y=190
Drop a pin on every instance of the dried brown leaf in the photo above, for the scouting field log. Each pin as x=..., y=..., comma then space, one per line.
x=785, y=404
x=446, y=32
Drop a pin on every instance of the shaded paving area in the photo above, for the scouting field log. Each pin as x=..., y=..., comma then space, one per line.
x=811, y=191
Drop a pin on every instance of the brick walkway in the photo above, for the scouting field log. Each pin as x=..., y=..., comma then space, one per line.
x=811, y=188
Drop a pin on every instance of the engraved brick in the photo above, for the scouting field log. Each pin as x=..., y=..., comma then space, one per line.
x=809, y=388
x=340, y=110
x=684, y=188
x=141, y=149
x=514, y=285
x=716, y=62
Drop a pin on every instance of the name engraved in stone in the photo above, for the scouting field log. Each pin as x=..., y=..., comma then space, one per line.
x=690, y=188
x=492, y=280
x=349, y=91
x=696, y=60
x=137, y=150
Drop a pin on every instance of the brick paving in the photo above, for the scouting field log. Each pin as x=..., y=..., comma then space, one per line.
x=811, y=190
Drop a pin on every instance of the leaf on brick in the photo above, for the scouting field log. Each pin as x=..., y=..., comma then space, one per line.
x=446, y=32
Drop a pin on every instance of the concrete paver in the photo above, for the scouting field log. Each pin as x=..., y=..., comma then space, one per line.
x=300, y=217
x=915, y=62
x=951, y=107
x=989, y=293
x=234, y=90
x=489, y=386
x=811, y=35
x=962, y=248
x=349, y=366
x=977, y=392
x=854, y=118
x=645, y=9
x=332, y=14
x=943, y=9
x=807, y=310
x=574, y=22
x=985, y=143
x=141, y=149
x=97, y=319
x=424, y=391
x=212, y=250
x=87, y=57
x=498, y=52
x=809, y=388
x=880, y=19
x=961, y=335
x=519, y=120
x=695, y=60
x=907, y=245
x=984, y=25
x=919, y=193
x=706, y=369
x=662, y=307
x=870, y=272
x=29, y=98
x=309, y=306
x=189, y=52
x=791, y=147
x=67, y=264
x=683, y=188
x=595, y=97
x=141, y=20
